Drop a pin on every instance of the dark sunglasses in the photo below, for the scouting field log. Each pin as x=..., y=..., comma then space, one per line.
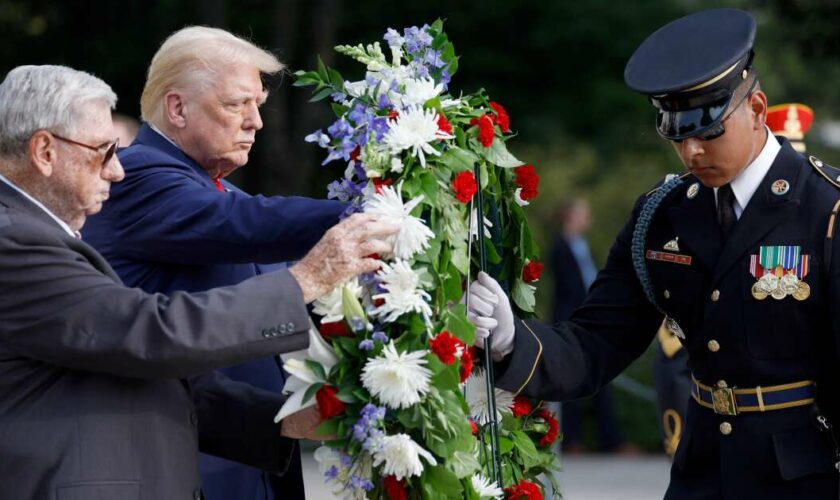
x=110, y=148
x=718, y=129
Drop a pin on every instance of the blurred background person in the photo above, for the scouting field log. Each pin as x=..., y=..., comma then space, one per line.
x=574, y=270
x=126, y=128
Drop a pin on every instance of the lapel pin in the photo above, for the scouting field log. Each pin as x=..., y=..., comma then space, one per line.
x=780, y=187
x=693, y=190
x=673, y=245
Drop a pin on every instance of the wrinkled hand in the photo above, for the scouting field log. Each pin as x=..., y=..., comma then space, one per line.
x=343, y=253
x=302, y=425
x=490, y=312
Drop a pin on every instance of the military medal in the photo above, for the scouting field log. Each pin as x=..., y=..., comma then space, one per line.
x=780, y=271
x=692, y=190
x=780, y=187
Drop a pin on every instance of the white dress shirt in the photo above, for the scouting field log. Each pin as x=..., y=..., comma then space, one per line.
x=747, y=182
x=37, y=203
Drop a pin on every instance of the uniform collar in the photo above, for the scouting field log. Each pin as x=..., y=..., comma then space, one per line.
x=40, y=205
x=746, y=183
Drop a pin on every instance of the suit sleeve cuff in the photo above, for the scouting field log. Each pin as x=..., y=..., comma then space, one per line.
x=515, y=371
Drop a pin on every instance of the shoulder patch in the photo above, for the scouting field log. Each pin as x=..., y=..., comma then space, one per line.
x=831, y=174
x=666, y=179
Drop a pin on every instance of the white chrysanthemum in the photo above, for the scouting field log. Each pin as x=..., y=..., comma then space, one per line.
x=401, y=456
x=474, y=225
x=413, y=236
x=413, y=130
x=402, y=292
x=486, y=488
x=399, y=380
x=329, y=305
x=420, y=90
x=397, y=165
x=475, y=392
x=517, y=197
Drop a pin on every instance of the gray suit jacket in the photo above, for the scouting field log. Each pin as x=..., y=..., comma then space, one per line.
x=97, y=380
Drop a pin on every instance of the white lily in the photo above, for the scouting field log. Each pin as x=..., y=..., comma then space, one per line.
x=302, y=378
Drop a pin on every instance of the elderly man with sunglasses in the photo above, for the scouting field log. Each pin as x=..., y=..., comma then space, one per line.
x=738, y=255
x=104, y=389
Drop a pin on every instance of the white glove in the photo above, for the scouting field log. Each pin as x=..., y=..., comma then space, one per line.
x=490, y=312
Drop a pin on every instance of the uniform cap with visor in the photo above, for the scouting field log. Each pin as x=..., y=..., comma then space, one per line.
x=690, y=69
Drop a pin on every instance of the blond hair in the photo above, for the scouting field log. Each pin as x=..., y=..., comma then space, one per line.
x=191, y=58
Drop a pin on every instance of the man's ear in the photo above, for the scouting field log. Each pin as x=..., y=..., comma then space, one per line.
x=758, y=105
x=42, y=152
x=174, y=109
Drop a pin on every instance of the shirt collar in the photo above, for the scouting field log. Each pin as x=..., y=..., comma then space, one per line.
x=746, y=183
x=38, y=204
x=160, y=133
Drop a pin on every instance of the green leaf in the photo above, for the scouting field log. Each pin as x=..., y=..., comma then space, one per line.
x=493, y=256
x=347, y=395
x=505, y=445
x=316, y=368
x=328, y=427
x=322, y=70
x=459, y=159
x=322, y=94
x=336, y=79
x=499, y=155
x=311, y=391
x=455, y=322
x=429, y=188
x=440, y=483
x=525, y=449
x=339, y=110
x=523, y=295
x=463, y=464
x=460, y=260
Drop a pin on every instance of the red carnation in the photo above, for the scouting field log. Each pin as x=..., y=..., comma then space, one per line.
x=528, y=180
x=395, y=488
x=474, y=427
x=392, y=115
x=334, y=329
x=524, y=491
x=328, y=405
x=531, y=271
x=466, y=367
x=444, y=125
x=354, y=155
x=464, y=186
x=501, y=118
x=553, y=428
x=486, y=132
x=521, y=406
x=378, y=182
x=445, y=347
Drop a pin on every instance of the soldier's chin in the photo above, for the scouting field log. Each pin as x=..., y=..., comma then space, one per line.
x=709, y=177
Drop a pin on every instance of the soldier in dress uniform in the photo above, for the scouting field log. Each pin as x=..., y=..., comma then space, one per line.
x=750, y=287
x=671, y=374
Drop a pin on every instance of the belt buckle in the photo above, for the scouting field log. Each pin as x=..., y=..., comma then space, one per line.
x=723, y=400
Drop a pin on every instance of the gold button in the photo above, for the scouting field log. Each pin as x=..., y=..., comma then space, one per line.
x=721, y=384
x=725, y=428
x=715, y=295
x=713, y=345
x=667, y=294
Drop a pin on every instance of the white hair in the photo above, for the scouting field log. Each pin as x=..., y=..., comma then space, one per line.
x=191, y=58
x=51, y=98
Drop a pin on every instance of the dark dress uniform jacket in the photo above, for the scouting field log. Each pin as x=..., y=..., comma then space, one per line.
x=775, y=454
x=91, y=401
x=166, y=228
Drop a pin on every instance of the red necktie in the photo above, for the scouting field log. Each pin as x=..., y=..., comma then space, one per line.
x=218, y=184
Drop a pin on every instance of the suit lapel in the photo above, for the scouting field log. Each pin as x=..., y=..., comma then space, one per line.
x=694, y=220
x=764, y=211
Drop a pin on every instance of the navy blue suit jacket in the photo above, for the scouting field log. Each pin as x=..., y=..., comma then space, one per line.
x=166, y=227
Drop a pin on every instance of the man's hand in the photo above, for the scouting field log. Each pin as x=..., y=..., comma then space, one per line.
x=490, y=312
x=302, y=425
x=343, y=253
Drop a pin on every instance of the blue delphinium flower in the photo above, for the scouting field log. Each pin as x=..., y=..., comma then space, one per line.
x=393, y=38
x=380, y=127
x=417, y=39
x=344, y=190
x=366, y=345
x=434, y=59
x=380, y=336
x=357, y=482
x=331, y=473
